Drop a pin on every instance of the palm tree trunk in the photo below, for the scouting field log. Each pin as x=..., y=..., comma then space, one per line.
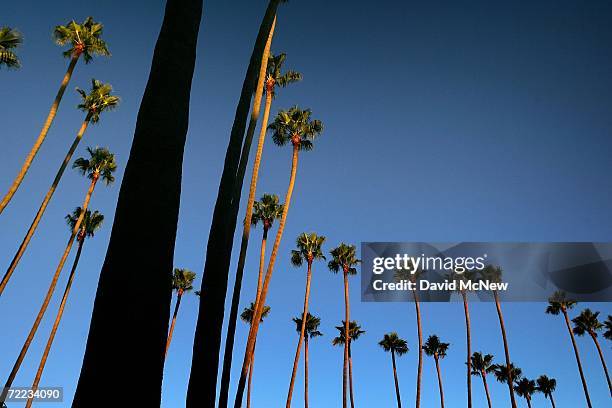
x=306, y=372
x=347, y=339
x=296, y=360
x=603, y=361
x=417, y=306
x=231, y=328
x=43, y=206
x=528, y=402
x=397, y=390
x=469, y=347
x=486, y=387
x=262, y=301
x=439, y=381
x=42, y=135
x=506, y=350
x=45, y=305
x=552, y=401
x=58, y=317
x=251, y=368
x=576, y=353
x=176, y=309
x=350, y=370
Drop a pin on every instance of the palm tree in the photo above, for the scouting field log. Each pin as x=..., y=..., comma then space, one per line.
x=293, y=126
x=434, y=347
x=266, y=210
x=547, y=386
x=393, y=343
x=493, y=274
x=525, y=388
x=97, y=101
x=182, y=281
x=608, y=326
x=100, y=165
x=502, y=372
x=354, y=333
x=587, y=322
x=91, y=223
x=84, y=40
x=9, y=40
x=481, y=366
x=308, y=250
x=559, y=303
x=311, y=331
x=247, y=316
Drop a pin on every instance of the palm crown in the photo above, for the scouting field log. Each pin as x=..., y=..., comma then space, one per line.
x=482, y=364
x=308, y=248
x=9, y=40
x=409, y=274
x=101, y=163
x=587, y=322
x=354, y=333
x=90, y=224
x=546, y=385
x=492, y=273
x=465, y=276
x=392, y=342
x=98, y=100
x=266, y=210
x=182, y=280
x=312, y=325
x=275, y=76
x=249, y=312
x=434, y=347
x=525, y=388
x=295, y=126
x=558, y=303
x=344, y=258
x=501, y=372
x=608, y=326
x=83, y=39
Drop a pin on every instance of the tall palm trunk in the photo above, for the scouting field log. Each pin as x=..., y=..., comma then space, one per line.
x=306, y=372
x=417, y=306
x=231, y=328
x=150, y=190
x=58, y=318
x=506, y=350
x=45, y=305
x=43, y=205
x=552, y=401
x=577, y=354
x=350, y=375
x=528, y=402
x=251, y=368
x=469, y=347
x=397, y=390
x=436, y=358
x=347, y=339
x=179, y=296
x=603, y=361
x=262, y=301
x=486, y=387
x=42, y=135
x=296, y=360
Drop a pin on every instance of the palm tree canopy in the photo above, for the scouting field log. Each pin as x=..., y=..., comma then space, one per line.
x=587, y=322
x=434, y=347
x=608, y=326
x=312, y=325
x=308, y=248
x=9, y=40
x=344, y=258
x=182, y=279
x=465, y=276
x=98, y=100
x=266, y=210
x=90, y=224
x=249, y=312
x=492, y=273
x=275, y=74
x=525, y=388
x=354, y=333
x=409, y=274
x=501, y=372
x=101, y=163
x=392, y=342
x=83, y=39
x=546, y=385
x=559, y=302
x=295, y=126
x=482, y=364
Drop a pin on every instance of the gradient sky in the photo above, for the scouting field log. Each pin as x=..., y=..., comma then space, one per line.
x=479, y=121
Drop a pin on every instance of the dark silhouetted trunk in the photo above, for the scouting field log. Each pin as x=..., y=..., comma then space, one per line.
x=439, y=381
x=506, y=350
x=486, y=387
x=306, y=372
x=397, y=390
x=350, y=375
x=469, y=347
x=417, y=307
x=601, y=358
x=552, y=401
x=577, y=354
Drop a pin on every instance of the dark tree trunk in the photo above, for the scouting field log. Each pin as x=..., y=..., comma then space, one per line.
x=150, y=191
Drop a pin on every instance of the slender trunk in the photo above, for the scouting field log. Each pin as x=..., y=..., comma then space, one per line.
x=350, y=376
x=296, y=360
x=582, y=378
x=251, y=367
x=528, y=402
x=262, y=301
x=439, y=381
x=56, y=323
x=603, y=361
x=306, y=372
x=43, y=206
x=552, y=401
x=231, y=328
x=506, y=351
x=45, y=305
x=469, y=347
x=176, y=309
x=397, y=390
x=347, y=339
x=42, y=135
x=486, y=387
x=417, y=306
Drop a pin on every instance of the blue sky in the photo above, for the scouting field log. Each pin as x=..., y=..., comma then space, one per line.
x=479, y=121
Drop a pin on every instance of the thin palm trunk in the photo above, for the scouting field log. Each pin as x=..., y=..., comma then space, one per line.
x=262, y=301
x=397, y=390
x=45, y=305
x=417, y=306
x=577, y=354
x=296, y=360
x=176, y=309
x=231, y=328
x=469, y=347
x=528, y=402
x=42, y=135
x=350, y=376
x=552, y=401
x=306, y=372
x=43, y=206
x=347, y=338
x=439, y=381
x=251, y=368
x=603, y=361
x=506, y=350
x=56, y=323
x=486, y=387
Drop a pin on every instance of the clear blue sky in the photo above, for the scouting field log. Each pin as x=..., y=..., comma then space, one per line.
x=479, y=121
